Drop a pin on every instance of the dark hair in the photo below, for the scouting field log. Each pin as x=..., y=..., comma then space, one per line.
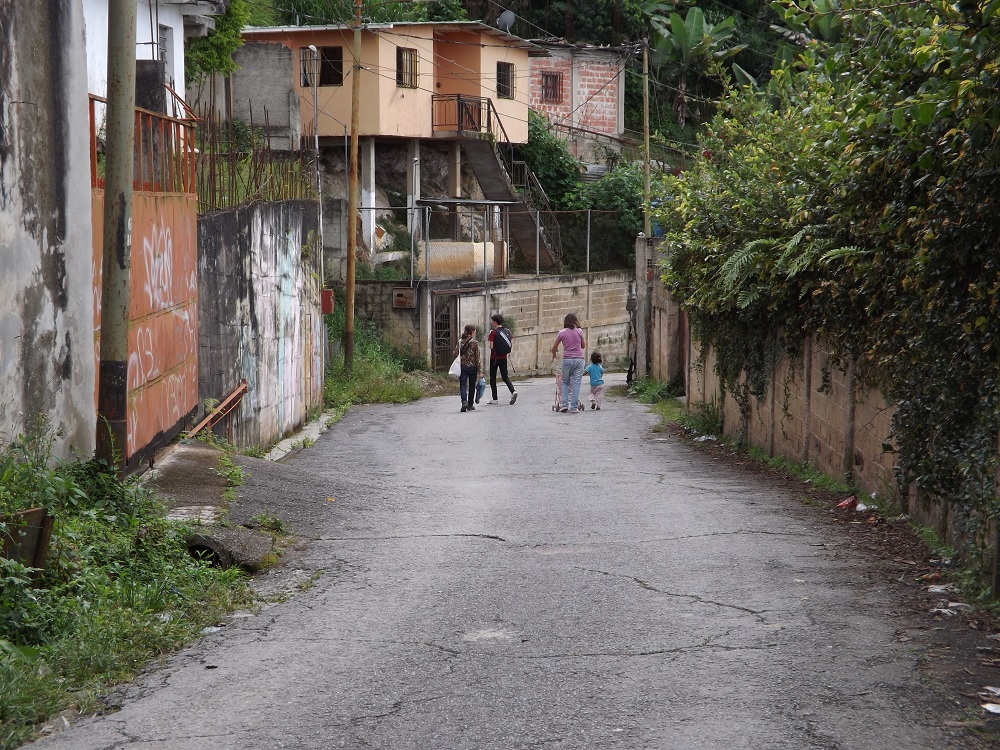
x=497, y=318
x=470, y=329
x=570, y=321
x=596, y=358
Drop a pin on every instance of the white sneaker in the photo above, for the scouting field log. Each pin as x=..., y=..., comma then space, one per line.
x=494, y=402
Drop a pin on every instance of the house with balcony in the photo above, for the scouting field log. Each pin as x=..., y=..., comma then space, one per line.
x=457, y=89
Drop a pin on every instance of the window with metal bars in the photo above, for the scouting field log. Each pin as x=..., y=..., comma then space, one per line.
x=552, y=87
x=505, y=80
x=331, y=66
x=406, y=68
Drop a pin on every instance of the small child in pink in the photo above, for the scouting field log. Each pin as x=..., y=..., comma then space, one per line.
x=596, y=372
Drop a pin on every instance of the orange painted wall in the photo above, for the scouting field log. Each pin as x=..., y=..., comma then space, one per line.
x=163, y=313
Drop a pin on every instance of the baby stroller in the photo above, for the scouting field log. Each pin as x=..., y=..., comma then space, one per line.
x=557, y=401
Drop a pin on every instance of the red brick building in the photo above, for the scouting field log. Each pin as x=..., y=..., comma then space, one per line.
x=581, y=89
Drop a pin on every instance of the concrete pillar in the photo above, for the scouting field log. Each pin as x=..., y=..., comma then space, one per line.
x=413, y=185
x=366, y=164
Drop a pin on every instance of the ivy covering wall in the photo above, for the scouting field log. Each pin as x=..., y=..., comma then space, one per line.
x=856, y=198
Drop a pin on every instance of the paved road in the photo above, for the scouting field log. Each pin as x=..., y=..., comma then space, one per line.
x=515, y=578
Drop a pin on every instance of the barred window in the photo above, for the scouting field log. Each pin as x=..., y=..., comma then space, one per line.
x=505, y=80
x=406, y=68
x=552, y=87
x=331, y=66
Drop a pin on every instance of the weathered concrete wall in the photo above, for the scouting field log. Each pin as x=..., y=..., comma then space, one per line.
x=258, y=282
x=46, y=305
x=535, y=306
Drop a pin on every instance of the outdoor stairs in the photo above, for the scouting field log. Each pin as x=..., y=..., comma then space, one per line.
x=496, y=185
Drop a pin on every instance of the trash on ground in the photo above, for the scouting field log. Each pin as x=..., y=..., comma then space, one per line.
x=210, y=629
x=850, y=502
x=993, y=708
x=705, y=438
x=944, y=588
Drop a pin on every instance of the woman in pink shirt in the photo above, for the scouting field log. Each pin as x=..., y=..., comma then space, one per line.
x=573, y=343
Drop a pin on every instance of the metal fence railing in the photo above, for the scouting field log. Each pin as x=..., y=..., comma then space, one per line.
x=164, y=158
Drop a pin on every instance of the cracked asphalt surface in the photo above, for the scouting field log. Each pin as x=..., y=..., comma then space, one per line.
x=515, y=578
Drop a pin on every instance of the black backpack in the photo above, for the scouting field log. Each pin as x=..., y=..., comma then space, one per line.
x=501, y=342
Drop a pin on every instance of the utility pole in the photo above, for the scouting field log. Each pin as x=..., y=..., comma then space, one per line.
x=319, y=181
x=352, y=194
x=112, y=393
x=645, y=136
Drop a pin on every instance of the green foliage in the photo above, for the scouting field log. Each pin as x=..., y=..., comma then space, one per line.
x=855, y=199
x=547, y=155
x=118, y=588
x=214, y=53
x=381, y=374
x=320, y=12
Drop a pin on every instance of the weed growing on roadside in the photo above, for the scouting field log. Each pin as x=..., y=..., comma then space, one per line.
x=118, y=588
x=380, y=373
x=704, y=419
x=269, y=522
x=805, y=472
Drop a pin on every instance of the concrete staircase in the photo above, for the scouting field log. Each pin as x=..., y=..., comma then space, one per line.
x=497, y=184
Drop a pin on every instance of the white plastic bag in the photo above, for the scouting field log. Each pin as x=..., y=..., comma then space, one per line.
x=456, y=367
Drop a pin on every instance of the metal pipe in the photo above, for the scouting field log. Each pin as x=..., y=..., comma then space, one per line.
x=538, y=240
x=112, y=398
x=588, y=240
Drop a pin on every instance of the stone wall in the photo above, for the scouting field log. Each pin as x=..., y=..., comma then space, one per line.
x=46, y=298
x=258, y=283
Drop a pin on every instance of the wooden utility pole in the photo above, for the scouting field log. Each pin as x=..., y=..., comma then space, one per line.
x=352, y=193
x=112, y=389
x=645, y=137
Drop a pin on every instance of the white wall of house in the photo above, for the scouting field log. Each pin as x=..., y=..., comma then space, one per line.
x=46, y=282
x=159, y=33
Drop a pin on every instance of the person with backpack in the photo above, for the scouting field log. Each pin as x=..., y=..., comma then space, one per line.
x=500, y=339
x=468, y=352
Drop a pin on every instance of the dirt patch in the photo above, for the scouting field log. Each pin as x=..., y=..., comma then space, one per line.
x=436, y=383
x=957, y=646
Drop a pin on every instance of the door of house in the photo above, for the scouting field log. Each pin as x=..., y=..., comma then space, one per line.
x=445, y=330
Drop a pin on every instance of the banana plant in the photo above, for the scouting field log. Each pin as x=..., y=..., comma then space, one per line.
x=686, y=47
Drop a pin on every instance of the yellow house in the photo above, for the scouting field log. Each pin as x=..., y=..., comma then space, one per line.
x=462, y=84
x=413, y=77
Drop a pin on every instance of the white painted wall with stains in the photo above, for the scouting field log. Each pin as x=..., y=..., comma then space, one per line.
x=46, y=301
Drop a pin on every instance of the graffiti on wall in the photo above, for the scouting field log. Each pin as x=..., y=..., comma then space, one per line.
x=163, y=314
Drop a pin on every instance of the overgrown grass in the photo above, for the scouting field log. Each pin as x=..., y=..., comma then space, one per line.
x=381, y=374
x=118, y=589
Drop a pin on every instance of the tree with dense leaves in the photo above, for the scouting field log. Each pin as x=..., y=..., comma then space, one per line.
x=855, y=198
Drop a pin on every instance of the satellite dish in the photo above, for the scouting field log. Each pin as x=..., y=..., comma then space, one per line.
x=506, y=20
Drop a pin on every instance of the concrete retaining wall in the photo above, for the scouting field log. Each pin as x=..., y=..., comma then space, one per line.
x=258, y=282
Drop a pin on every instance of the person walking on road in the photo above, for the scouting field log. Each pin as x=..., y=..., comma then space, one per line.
x=472, y=371
x=500, y=346
x=573, y=345
x=595, y=370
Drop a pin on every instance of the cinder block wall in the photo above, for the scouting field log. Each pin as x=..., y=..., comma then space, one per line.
x=806, y=415
x=535, y=306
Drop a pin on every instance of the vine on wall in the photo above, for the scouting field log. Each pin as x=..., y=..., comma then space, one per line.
x=856, y=199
